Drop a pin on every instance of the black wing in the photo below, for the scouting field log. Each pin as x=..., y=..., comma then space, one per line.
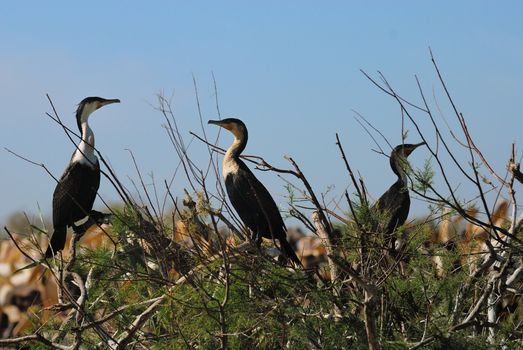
x=254, y=204
x=75, y=193
x=395, y=204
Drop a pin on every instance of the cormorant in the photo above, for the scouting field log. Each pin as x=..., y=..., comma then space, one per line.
x=395, y=202
x=75, y=192
x=248, y=196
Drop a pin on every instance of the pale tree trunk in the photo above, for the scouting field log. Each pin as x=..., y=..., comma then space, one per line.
x=369, y=311
x=327, y=243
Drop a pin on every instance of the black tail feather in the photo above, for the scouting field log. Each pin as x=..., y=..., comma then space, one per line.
x=289, y=252
x=57, y=241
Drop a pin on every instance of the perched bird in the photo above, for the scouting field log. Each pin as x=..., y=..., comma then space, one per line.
x=395, y=202
x=248, y=196
x=75, y=192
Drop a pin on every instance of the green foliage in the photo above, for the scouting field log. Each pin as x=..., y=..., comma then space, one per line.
x=460, y=341
x=250, y=301
x=424, y=177
x=267, y=307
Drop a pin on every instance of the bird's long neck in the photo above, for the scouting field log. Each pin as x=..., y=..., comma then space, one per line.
x=231, y=159
x=398, y=163
x=85, y=150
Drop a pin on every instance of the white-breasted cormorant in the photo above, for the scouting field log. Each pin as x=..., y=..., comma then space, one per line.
x=394, y=204
x=248, y=196
x=75, y=192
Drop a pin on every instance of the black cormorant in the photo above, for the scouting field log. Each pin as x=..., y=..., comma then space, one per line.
x=75, y=192
x=394, y=204
x=248, y=196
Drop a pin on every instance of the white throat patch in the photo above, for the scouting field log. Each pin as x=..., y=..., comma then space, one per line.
x=84, y=153
x=230, y=165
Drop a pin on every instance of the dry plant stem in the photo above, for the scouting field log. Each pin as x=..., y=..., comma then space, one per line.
x=431, y=339
x=298, y=173
x=257, y=160
x=113, y=179
x=68, y=131
x=477, y=307
x=337, y=216
x=462, y=120
x=468, y=321
x=117, y=185
x=327, y=243
x=389, y=91
x=54, y=178
x=295, y=213
x=362, y=234
x=144, y=187
x=500, y=278
x=349, y=169
x=400, y=101
x=80, y=304
x=211, y=163
x=138, y=323
x=115, y=313
x=514, y=169
x=369, y=311
x=360, y=116
x=465, y=289
x=41, y=165
x=499, y=252
x=363, y=201
x=224, y=340
x=176, y=140
x=440, y=139
x=74, y=312
x=217, y=105
x=229, y=225
x=18, y=246
x=34, y=337
x=408, y=114
x=454, y=204
x=370, y=302
x=329, y=248
x=472, y=147
x=260, y=162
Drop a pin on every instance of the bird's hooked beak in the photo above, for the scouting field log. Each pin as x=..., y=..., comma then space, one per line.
x=215, y=122
x=107, y=102
x=417, y=145
x=412, y=147
x=235, y=126
x=219, y=123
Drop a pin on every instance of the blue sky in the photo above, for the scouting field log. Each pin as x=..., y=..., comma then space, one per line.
x=289, y=69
